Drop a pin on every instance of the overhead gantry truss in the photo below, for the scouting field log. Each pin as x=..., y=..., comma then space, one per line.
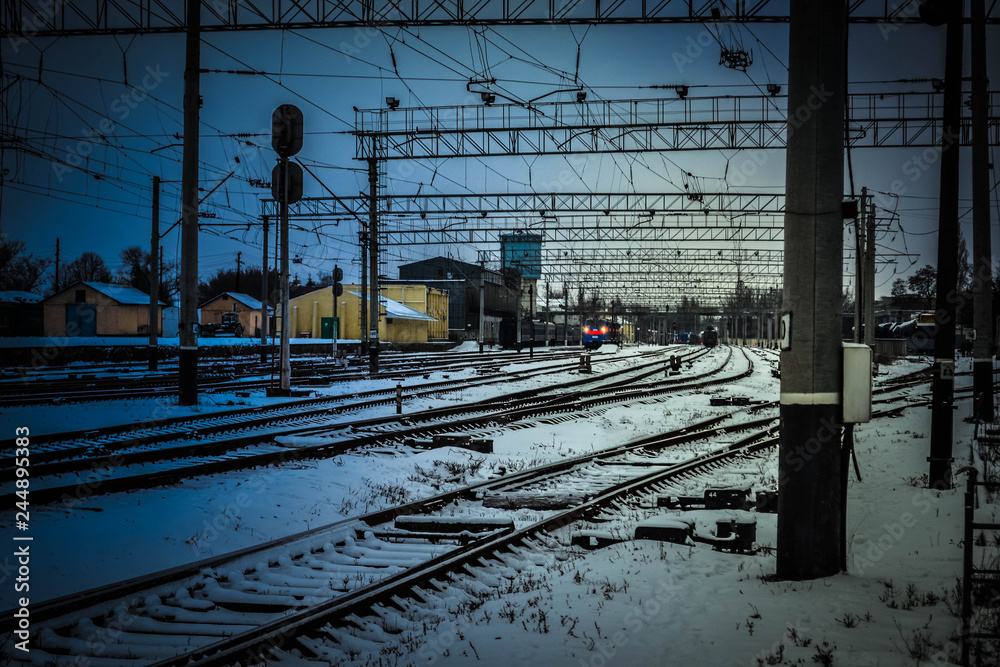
x=889, y=120
x=562, y=217
x=584, y=229
x=104, y=17
x=520, y=204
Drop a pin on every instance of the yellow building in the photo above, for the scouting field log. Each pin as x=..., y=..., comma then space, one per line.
x=98, y=309
x=423, y=316
x=433, y=302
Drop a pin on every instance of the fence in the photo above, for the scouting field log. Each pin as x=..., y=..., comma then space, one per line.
x=980, y=585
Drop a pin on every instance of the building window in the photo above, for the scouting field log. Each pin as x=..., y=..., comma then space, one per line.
x=81, y=296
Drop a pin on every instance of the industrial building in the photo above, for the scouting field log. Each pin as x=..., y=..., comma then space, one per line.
x=463, y=282
x=422, y=318
x=245, y=306
x=98, y=309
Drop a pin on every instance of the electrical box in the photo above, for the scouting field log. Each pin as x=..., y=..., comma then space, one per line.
x=857, y=397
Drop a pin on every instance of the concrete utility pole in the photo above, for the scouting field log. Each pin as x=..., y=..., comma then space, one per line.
x=859, y=266
x=188, y=325
x=531, y=318
x=565, y=315
x=870, y=277
x=285, y=354
x=363, y=312
x=943, y=383
x=482, y=303
x=57, y=265
x=809, y=465
x=373, y=258
x=239, y=268
x=981, y=243
x=154, y=276
x=263, y=299
x=520, y=297
x=335, y=323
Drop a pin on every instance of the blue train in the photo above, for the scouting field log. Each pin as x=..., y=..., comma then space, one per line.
x=595, y=332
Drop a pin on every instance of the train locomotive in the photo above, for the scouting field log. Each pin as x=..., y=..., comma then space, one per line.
x=710, y=337
x=595, y=332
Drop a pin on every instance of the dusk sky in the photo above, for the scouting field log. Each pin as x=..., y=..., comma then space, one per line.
x=83, y=171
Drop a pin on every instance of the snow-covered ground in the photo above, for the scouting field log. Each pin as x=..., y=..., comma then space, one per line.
x=635, y=603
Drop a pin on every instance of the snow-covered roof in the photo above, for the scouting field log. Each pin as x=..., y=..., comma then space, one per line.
x=123, y=294
x=17, y=296
x=398, y=311
x=245, y=299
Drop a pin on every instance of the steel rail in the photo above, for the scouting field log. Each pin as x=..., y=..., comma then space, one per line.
x=71, y=494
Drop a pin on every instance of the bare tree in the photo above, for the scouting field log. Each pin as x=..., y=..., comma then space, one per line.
x=135, y=271
x=964, y=265
x=19, y=269
x=90, y=267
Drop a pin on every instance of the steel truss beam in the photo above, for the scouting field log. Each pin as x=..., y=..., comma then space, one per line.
x=538, y=203
x=593, y=230
x=635, y=126
x=744, y=261
x=627, y=217
x=101, y=17
x=587, y=257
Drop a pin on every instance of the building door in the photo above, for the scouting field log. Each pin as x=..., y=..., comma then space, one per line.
x=327, y=328
x=81, y=319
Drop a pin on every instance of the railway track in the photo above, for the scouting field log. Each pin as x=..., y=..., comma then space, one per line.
x=298, y=598
x=266, y=584
x=140, y=466
x=86, y=384
x=62, y=445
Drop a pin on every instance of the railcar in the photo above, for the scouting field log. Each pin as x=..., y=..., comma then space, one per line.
x=710, y=337
x=595, y=332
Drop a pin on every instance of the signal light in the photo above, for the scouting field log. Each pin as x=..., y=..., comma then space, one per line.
x=286, y=130
x=338, y=275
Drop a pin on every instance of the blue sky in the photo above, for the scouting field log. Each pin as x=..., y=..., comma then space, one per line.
x=70, y=101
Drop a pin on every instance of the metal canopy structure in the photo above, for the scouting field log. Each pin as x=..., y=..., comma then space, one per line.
x=107, y=17
x=887, y=120
x=664, y=245
x=634, y=234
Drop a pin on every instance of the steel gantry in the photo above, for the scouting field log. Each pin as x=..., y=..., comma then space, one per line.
x=563, y=217
x=543, y=203
x=666, y=243
x=104, y=17
x=888, y=120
